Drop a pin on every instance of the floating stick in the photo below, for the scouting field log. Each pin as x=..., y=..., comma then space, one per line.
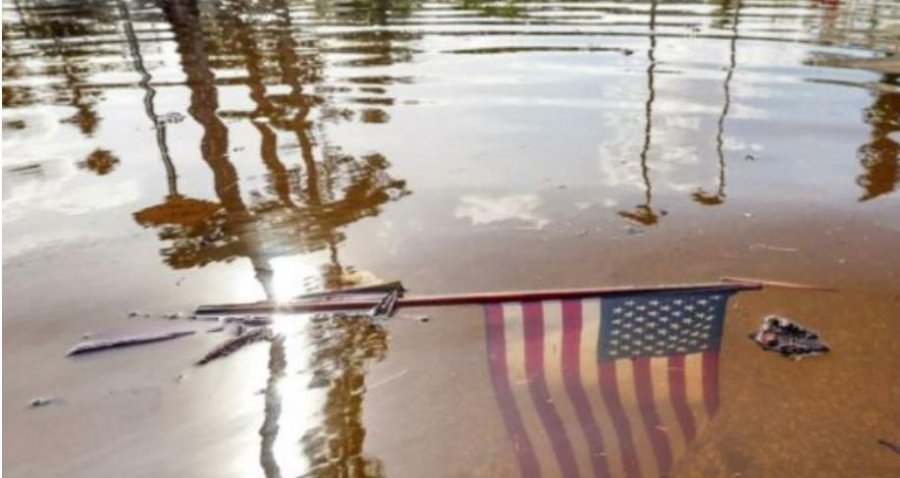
x=232, y=345
x=127, y=341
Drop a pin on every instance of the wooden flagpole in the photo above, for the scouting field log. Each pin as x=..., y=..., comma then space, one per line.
x=322, y=303
x=778, y=284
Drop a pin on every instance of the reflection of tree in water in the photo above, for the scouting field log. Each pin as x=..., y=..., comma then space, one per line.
x=341, y=347
x=881, y=156
x=301, y=208
x=344, y=346
x=644, y=213
x=14, y=66
x=310, y=203
x=53, y=26
x=177, y=211
x=507, y=9
x=368, y=12
x=717, y=197
x=99, y=161
x=375, y=47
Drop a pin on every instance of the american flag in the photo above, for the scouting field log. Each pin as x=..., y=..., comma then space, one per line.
x=615, y=385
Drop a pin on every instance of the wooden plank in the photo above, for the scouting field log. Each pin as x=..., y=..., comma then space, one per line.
x=382, y=288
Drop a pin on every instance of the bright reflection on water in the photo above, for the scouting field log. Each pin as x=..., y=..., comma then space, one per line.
x=257, y=142
x=314, y=396
x=291, y=404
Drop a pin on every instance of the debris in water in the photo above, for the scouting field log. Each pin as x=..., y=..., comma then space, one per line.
x=126, y=341
x=254, y=321
x=41, y=402
x=889, y=444
x=133, y=313
x=790, y=339
x=385, y=307
x=215, y=329
x=423, y=319
x=233, y=345
x=770, y=247
x=382, y=287
x=172, y=117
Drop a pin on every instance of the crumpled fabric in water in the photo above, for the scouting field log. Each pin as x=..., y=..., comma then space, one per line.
x=790, y=339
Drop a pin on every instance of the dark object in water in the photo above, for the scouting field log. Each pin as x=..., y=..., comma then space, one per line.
x=385, y=308
x=385, y=287
x=891, y=445
x=790, y=339
x=250, y=321
x=41, y=402
x=126, y=341
x=234, y=344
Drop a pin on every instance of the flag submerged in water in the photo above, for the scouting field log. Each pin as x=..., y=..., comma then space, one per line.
x=614, y=385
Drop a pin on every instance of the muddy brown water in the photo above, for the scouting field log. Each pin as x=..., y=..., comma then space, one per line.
x=162, y=155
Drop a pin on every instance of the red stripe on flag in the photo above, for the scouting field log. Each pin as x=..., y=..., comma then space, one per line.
x=534, y=367
x=571, y=356
x=500, y=378
x=710, y=380
x=678, y=393
x=609, y=388
x=643, y=384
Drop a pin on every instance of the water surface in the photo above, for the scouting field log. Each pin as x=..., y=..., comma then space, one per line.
x=159, y=155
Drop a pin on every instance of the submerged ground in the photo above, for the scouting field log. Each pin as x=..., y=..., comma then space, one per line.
x=160, y=155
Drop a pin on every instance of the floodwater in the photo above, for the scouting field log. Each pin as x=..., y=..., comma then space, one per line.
x=160, y=155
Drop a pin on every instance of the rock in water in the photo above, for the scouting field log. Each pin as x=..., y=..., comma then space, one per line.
x=790, y=339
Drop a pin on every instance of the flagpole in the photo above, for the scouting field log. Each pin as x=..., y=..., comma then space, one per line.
x=777, y=284
x=342, y=302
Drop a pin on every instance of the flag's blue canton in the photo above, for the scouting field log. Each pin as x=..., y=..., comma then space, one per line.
x=661, y=323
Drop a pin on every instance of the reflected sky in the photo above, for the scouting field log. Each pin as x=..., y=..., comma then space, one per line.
x=258, y=136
